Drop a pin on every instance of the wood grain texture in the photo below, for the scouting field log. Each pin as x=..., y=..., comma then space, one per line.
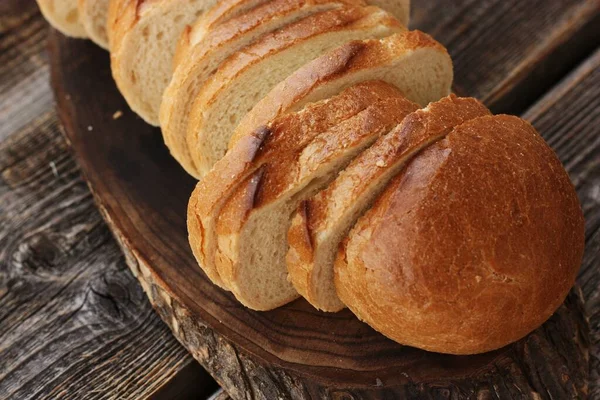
x=74, y=322
x=569, y=119
x=507, y=53
x=294, y=351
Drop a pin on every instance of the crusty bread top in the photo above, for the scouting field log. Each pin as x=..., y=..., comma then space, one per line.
x=421, y=127
x=349, y=59
x=483, y=228
x=298, y=156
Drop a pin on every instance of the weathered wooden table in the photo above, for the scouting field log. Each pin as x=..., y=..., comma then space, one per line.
x=73, y=321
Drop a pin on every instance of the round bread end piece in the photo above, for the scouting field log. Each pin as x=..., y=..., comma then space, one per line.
x=473, y=246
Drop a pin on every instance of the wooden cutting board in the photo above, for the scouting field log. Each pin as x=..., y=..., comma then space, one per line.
x=294, y=351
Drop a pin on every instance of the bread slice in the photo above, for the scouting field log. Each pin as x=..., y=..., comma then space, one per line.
x=252, y=228
x=206, y=56
x=143, y=35
x=251, y=73
x=94, y=16
x=63, y=15
x=481, y=225
x=412, y=61
x=321, y=222
x=253, y=151
x=226, y=10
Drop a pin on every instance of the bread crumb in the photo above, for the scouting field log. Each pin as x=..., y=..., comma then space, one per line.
x=380, y=163
x=118, y=114
x=90, y=128
x=54, y=169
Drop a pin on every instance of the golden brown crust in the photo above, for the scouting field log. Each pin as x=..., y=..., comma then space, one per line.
x=346, y=60
x=306, y=154
x=319, y=215
x=483, y=228
x=122, y=16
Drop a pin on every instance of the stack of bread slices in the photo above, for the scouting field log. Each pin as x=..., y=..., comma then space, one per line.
x=334, y=164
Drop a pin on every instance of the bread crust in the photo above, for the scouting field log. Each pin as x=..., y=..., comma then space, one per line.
x=472, y=247
x=346, y=19
x=351, y=59
x=195, y=56
x=316, y=220
x=253, y=151
x=63, y=17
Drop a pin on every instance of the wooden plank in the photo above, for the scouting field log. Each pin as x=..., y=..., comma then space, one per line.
x=73, y=321
x=568, y=117
x=24, y=74
x=509, y=52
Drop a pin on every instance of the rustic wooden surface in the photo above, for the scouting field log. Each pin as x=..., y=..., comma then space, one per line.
x=74, y=322
x=507, y=53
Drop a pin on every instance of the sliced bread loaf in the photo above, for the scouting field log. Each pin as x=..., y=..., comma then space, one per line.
x=266, y=144
x=451, y=256
x=248, y=75
x=412, y=61
x=321, y=222
x=94, y=16
x=252, y=228
x=206, y=56
x=64, y=16
x=143, y=35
